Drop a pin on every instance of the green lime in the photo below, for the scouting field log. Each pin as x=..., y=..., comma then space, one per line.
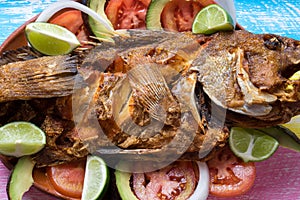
x=252, y=145
x=21, y=138
x=294, y=125
x=96, y=178
x=211, y=19
x=50, y=39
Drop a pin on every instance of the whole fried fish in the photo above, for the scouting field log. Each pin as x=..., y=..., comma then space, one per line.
x=157, y=91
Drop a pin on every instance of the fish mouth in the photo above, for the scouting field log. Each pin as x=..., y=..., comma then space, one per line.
x=288, y=53
x=293, y=72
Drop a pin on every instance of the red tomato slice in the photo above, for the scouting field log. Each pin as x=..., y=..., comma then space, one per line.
x=229, y=175
x=177, y=180
x=179, y=15
x=68, y=178
x=127, y=14
x=70, y=19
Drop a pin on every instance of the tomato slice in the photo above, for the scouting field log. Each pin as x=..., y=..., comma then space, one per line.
x=229, y=175
x=179, y=15
x=176, y=181
x=68, y=178
x=127, y=14
x=70, y=19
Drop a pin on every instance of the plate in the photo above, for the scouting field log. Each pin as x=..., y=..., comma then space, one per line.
x=277, y=177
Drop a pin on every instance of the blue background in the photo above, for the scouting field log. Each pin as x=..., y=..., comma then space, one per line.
x=272, y=16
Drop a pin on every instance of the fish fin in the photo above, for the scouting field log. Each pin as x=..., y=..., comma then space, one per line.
x=20, y=54
x=184, y=90
x=151, y=87
x=44, y=77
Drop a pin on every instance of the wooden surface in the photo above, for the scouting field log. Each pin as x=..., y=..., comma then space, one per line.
x=278, y=177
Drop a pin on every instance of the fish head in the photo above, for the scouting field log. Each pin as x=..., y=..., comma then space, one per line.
x=271, y=60
x=248, y=73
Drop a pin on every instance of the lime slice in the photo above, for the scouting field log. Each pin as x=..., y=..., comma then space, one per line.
x=21, y=138
x=251, y=145
x=50, y=39
x=96, y=178
x=211, y=19
x=294, y=125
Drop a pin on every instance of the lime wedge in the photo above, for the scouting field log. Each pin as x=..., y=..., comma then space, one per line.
x=21, y=138
x=251, y=145
x=294, y=125
x=211, y=19
x=50, y=39
x=96, y=178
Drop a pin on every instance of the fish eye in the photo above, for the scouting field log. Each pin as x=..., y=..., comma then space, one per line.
x=273, y=43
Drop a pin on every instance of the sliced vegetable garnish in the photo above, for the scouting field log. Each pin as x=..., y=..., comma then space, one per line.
x=67, y=178
x=97, y=28
x=179, y=180
x=21, y=138
x=71, y=20
x=202, y=190
x=252, y=144
x=96, y=178
x=294, y=124
x=211, y=19
x=51, y=39
x=154, y=14
x=284, y=136
x=55, y=7
x=179, y=15
x=229, y=175
x=20, y=179
x=127, y=14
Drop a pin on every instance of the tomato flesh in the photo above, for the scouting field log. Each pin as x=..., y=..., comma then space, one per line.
x=229, y=175
x=177, y=180
x=68, y=178
x=179, y=15
x=127, y=14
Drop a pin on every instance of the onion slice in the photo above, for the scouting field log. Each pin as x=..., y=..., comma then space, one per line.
x=55, y=7
x=202, y=190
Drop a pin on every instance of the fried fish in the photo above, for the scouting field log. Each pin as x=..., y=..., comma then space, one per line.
x=154, y=92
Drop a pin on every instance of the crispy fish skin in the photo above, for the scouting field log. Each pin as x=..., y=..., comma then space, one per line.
x=37, y=77
x=245, y=75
